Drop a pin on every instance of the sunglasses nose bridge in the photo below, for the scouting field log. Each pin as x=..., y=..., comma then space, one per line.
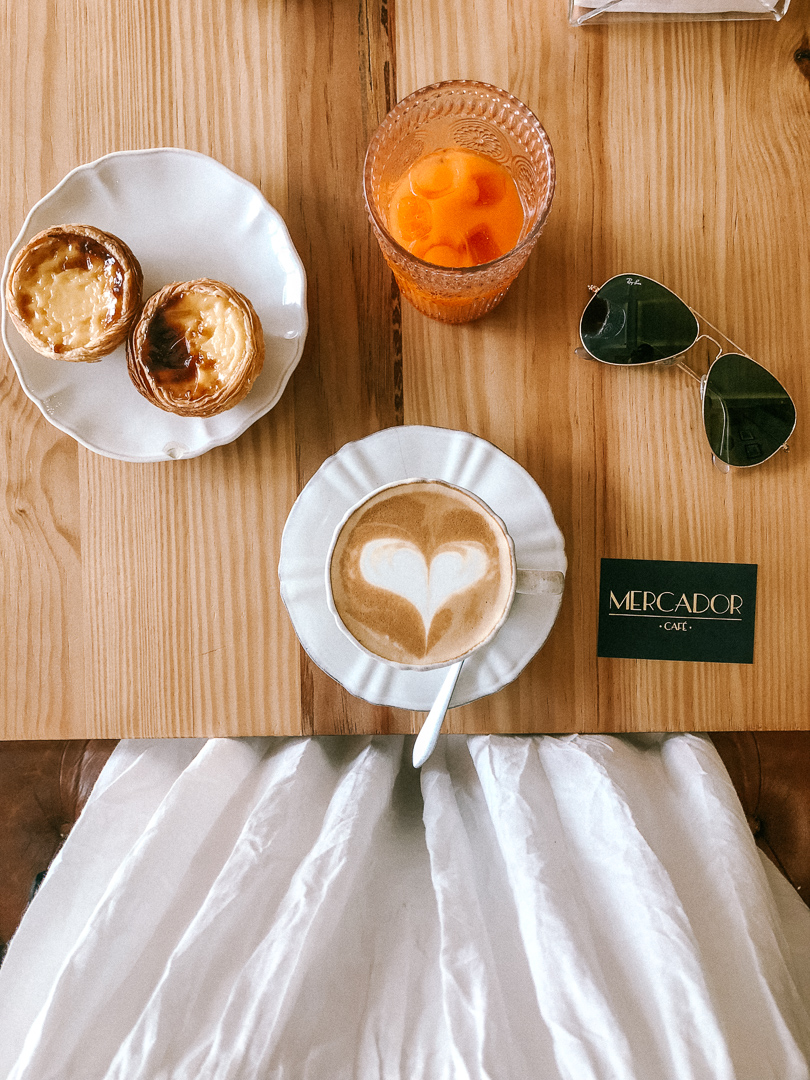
x=678, y=360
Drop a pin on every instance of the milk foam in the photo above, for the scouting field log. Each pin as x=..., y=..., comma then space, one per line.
x=421, y=573
x=401, y=568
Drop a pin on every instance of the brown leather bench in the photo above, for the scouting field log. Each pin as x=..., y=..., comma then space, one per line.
x=771, y=772
x=44, y=785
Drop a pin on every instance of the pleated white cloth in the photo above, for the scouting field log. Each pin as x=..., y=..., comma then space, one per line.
x=578, y=907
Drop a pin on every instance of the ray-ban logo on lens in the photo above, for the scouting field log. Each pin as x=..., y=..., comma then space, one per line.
x=657, y=610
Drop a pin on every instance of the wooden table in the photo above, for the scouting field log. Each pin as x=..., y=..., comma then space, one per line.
x=142, y=600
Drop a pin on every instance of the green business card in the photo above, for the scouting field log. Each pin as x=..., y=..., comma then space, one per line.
x=655, y=610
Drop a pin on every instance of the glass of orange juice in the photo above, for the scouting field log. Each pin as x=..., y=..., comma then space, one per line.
x=458, y=182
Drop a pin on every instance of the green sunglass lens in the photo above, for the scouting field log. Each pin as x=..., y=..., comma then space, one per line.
x=747, y=413
x=633, y=320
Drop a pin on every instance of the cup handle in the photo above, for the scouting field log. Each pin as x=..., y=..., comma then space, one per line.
x=550, y=582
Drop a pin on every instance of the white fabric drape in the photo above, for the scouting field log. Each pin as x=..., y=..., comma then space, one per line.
x=578, y=907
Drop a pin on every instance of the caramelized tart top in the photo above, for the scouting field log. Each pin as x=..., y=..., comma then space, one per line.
x=197, y=348
x=74, y=291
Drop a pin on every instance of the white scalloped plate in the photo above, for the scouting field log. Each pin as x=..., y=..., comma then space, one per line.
x=395, y=454
x=185, y=216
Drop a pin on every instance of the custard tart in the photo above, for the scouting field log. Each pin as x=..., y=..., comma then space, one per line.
x=73, y=292
x=197, y=348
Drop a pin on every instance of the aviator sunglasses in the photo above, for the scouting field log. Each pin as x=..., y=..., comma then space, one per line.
x=747, y=413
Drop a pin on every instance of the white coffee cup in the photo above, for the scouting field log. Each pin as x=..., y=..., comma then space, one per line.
x=457, y=578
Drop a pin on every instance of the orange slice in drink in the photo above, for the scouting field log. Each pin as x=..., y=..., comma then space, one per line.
x=414, y=219
x=455, y=207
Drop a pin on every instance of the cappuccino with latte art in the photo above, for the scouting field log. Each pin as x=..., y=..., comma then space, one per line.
x=421, y=573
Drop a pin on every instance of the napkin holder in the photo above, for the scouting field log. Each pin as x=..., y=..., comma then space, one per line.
x=596, y=12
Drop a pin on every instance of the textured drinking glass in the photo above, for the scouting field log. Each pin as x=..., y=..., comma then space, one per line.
x=460, y=115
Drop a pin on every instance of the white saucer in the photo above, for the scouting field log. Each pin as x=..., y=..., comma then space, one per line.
x=184, y=216
x=397, y=453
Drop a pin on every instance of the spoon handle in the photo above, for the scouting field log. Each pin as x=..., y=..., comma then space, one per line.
x=426, y=739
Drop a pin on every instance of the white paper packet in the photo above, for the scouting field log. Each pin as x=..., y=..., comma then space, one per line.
x=585, y=12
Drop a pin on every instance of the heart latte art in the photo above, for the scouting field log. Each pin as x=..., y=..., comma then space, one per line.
x=421, y=573
x=400, y=567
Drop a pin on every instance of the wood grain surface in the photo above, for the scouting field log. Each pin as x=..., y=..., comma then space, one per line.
x=143, y=600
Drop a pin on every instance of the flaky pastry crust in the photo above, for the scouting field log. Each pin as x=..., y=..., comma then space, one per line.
x=73, y=292
x=197, y=348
